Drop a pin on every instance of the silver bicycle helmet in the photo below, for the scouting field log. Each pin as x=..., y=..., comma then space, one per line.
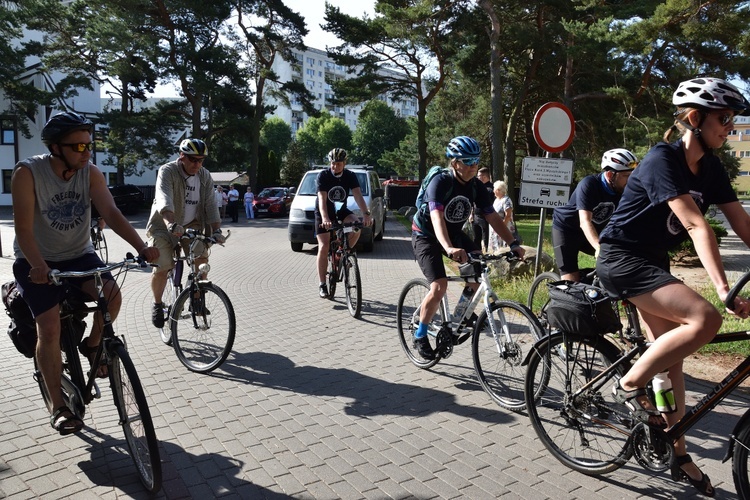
x=619, y=160
x=337, y=154
x=710, y=94
x=193, y=147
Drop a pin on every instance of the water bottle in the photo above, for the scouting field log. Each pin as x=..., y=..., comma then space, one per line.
x=463, y=303
x=663, y=393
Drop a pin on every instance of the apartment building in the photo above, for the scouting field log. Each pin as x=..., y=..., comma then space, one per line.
x=316, y=70
x=739, y=141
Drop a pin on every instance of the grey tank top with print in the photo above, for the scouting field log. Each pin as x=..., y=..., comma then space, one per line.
x=62, y=213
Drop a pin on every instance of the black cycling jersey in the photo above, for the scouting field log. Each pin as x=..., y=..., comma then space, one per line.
x=643, y=220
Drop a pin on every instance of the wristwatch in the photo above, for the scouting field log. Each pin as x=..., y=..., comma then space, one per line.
x=367, y=213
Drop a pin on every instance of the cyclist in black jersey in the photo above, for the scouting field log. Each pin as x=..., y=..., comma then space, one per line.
x=662, y=205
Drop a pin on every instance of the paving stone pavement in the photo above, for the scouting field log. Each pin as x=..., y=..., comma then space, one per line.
x=311, y=403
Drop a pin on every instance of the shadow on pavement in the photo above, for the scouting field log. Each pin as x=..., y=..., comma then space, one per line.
x=370, y=396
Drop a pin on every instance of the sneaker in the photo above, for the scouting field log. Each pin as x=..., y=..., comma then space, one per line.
x=423, y=347
x=323, y=291
x=157, y=315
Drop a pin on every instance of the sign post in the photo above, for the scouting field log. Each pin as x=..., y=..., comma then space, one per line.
x=545, y=182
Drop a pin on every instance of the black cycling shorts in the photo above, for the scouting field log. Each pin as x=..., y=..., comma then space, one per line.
x=429, y=253
x=624, y=273
x=340, y=216
x=567, y=245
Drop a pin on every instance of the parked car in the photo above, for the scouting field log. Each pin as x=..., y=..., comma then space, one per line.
x=302, y=214
x=128, y=198
x=274, y=201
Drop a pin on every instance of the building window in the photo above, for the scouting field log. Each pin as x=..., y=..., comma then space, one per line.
x=7, y=174
x=7, y=132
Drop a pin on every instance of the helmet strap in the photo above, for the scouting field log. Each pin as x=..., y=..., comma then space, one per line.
x=697, y=132
x=69, y=171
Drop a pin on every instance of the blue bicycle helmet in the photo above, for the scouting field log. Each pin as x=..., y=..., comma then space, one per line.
x=462, y=147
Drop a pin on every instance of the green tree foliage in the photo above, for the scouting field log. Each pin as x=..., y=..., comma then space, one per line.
x=294, y=165
x=379, y=129
x=276, y=135
x=415, y=38
x=321, y=134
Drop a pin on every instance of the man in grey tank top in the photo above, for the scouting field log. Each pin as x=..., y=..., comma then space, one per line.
x=52, y=199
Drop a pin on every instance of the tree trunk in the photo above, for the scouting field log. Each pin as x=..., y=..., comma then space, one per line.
x=496, y=137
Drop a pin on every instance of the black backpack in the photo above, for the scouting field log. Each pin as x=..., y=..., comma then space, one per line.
x=22, y=328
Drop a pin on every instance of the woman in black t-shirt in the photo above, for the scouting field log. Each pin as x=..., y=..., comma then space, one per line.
x=662, y=205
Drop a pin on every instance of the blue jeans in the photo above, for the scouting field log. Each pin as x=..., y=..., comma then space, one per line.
x=249, y=211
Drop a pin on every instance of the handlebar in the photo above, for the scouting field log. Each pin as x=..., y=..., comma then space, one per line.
x=194, y=234
x=509, y=256
x=735, y=290
x=56, y=276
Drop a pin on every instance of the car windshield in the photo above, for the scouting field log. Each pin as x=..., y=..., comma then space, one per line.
x=271, y=193
x=307, y=187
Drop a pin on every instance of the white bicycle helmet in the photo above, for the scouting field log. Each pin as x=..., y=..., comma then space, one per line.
x=619, y=160
x=710, y=94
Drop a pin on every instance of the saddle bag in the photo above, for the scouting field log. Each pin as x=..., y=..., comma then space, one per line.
x=580, y=308
x=22, y=328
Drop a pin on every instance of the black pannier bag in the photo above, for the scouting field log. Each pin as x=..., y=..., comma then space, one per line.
x=22, y=328
x=580, y=308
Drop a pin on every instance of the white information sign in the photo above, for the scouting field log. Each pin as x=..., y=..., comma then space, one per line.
x=543, y=195
x=547, y=170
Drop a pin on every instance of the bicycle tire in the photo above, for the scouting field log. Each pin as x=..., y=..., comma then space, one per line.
x=169, y=297
x=101, y=244
x=353, y=286
x=135, y=417
x=558, y=367
x=740, y=460
x=407, y=314
x=539, y=295
x=498, y=362
x=203, y=342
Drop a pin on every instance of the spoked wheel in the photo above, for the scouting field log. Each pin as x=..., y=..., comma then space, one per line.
x=741, y=460
x=135, y=418
x=353, y=285
x=169, y=297
x=539, y=295
x=498, y=360
x=203, y=327
x=100, y=243
x=588, y=432
x=70, y=393
x=407, y=313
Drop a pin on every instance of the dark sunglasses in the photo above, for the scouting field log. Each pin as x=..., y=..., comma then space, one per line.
x=469, y=162
x=725, y=118
x=80, y=147
x=193, y=159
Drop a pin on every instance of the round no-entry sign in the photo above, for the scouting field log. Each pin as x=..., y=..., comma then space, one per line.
x=554, y=127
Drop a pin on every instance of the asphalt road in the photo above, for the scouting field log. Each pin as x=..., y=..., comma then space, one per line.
x=311, y=403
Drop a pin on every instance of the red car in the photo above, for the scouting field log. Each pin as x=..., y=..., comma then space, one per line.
x=273, y=201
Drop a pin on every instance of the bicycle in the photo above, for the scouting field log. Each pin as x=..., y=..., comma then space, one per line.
x=498, y=345
x=339, y=251
x=574, y=414
x=98, y=239
x=127, y=391
x=200, y=323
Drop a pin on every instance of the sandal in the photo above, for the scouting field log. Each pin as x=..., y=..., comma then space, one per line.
x=649, y=416
x=89, y=351
x=703, y=484
x=65, y=424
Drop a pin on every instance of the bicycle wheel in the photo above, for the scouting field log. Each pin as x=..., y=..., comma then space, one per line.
x=407, y=313
x=135, y=417
x=588, y=432
x=101, y=248
x=168, y=299
x=353, y=285
x=498, y=361
x=539, y=295
x=203, y=328
x=740, y=459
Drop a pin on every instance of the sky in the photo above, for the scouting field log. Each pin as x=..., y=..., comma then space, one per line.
x=314, y=12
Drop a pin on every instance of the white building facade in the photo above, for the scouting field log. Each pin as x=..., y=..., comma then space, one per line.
x=316, y=70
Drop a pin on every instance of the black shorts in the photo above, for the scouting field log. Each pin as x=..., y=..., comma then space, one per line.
x=625, y=274
x=42, y=298
x=567, y=246
x=340, y=216
x=429, y=253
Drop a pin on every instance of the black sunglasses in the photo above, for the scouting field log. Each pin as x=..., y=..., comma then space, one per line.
x=80, y=147
x=725, y=118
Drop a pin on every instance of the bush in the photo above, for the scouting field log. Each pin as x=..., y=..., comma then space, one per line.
x=687, y=249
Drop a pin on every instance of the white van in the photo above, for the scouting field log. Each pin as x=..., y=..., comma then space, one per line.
x=302, y=212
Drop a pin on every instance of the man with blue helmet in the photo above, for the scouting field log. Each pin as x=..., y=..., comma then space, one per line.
x=437, y=227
